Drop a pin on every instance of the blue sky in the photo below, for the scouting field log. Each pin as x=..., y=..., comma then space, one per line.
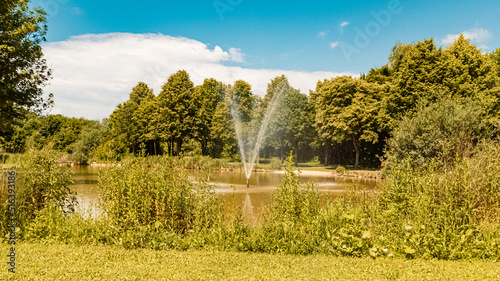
x=239, y=39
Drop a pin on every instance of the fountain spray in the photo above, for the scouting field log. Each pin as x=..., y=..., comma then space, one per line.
x=248, y=166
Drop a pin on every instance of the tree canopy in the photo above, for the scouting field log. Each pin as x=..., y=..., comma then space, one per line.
x=23, y=70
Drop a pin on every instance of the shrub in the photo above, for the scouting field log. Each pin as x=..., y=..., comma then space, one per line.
x=340, y=169
x=443, y=130
x=155, y=192
x=40, y=184
x=445, y=212
x=275, y=163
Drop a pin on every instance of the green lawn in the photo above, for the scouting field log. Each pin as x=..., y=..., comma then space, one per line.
x=71, y=262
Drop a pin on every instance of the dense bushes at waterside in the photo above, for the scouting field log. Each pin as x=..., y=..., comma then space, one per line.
x=41, y=186
x=436, y=211
x=155, y=192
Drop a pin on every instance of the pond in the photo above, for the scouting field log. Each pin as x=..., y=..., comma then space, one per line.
x=232, y=190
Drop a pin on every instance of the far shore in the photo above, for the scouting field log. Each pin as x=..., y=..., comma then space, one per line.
x=305, y=170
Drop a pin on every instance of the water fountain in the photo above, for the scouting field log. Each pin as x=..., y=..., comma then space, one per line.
x=248, y=165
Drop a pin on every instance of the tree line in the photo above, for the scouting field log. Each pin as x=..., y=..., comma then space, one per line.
x=345, y=120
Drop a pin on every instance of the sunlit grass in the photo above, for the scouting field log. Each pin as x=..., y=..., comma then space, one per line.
x=71, y=262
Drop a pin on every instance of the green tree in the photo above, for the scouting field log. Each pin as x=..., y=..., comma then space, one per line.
x=88, y=140
x=206, y=97
x=223, y=135
x=23, y=70
x=148, y=118
x=416, y=73
x=177, y=110
x=495, y=56
x=276, y=136
x=242, y=100
x=468, y=73
x=145, y=118
x=380, y=75
x=346, y=109
x=128, y=125
x=290, y=126
x=423, y=71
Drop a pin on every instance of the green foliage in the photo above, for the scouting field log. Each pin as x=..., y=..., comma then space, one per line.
x=446, y=213
x=441, y=130
x=340, y=169
x=241, y=98
x=422, y=71
x=155, y=193
x=54, y=131
x=275, y=163
x=89, y=139
x=23, y=70
x=177, y=111
x=40, y=185
x=133, y=122
x=495, y=56
x=206, y=97
x=222, y=132
x=379, y=75
x=292, y=202
x=425, y=212
x=346, y=109
x=297, y=224
x=291, y=126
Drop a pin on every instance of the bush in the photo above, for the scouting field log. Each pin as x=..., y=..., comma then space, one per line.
x=40, y=185
x=443, y=130
x=275, y=163
x=340, y=169
x=445, y=212
x=155, y=192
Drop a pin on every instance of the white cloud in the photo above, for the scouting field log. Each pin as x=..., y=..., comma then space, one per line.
x=322, y=34
x=334, y=44
x=474, y=34
x=236, y=55
x=342, y=25
x=92, y=73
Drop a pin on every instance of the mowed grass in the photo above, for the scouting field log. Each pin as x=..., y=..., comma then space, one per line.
x=90, y=262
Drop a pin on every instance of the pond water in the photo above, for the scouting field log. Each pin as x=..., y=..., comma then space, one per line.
x=232, y=190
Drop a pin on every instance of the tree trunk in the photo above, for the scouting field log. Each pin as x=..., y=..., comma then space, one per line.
x=357, y=145
x=154, y=145
x=179, y=146
x=204, y=147
x=296, y=152
x=170, y=147
x=281, y=151
x=327, y=148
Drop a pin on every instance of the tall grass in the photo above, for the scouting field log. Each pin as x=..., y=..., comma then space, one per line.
x=446, y=211
x=153, y=192
x=40, y=185
x=438, y=211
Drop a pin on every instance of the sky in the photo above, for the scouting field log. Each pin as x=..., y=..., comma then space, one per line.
x=99, y=50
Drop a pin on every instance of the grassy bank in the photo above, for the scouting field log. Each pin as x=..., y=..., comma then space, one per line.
x=70, y=262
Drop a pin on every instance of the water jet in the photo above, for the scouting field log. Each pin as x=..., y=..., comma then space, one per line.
x=248, y=165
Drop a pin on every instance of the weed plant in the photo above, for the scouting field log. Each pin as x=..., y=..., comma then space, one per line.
x=40, y=185
x=155, y=192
